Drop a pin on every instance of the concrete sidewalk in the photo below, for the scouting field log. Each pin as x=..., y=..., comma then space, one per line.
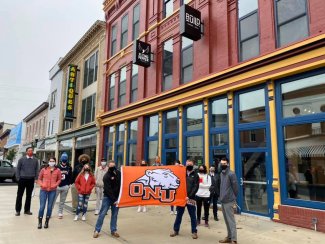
x=151, y=227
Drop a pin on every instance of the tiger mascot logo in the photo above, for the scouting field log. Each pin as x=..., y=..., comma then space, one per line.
x=159, y=184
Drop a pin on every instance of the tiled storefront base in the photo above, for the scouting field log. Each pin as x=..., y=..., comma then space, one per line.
x=302, y=217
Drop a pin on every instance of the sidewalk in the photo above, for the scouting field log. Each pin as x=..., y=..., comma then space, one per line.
x=151, y=227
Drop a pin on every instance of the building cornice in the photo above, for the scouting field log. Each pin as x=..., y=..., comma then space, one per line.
x=37, y=111
x=108, y=4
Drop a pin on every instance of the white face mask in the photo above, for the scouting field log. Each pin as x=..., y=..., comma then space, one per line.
x=51, y=164
x=103, y=163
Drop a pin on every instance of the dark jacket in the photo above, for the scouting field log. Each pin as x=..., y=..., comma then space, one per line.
x=112, y=184
x=228, y=186
x=192, y=184
x=215, y=186
x=76, y=171
x=66, y=174
x=27, y=168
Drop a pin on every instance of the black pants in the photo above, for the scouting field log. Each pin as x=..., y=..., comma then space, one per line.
x=29, y=185
x=214, y=200
x=206, y=204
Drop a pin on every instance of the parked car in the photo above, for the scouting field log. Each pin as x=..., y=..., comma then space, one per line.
x=7, y=171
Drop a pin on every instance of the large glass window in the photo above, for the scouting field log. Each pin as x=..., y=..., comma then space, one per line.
x=152, y=136
x=109, y=144
x=88, y=109
x=90, y=70
x=219, y=113
x=187, y=60
x=292, y=21
x=111, y=91
x=136, y=21
x=124, y=31
x=134, y=83
x=167, y=65
x=132, y=142
x=248, y=29
x=168, y=8
x=119, y=148
x=193, y=132
x=122, y=87
x=170, y=137
x=304, y=96
x=252, y=106
x=113, y=40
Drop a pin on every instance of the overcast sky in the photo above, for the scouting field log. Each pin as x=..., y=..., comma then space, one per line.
x=33, y=35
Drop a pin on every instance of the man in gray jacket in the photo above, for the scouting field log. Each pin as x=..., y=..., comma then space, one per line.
x=26, y=173
x=228, y=195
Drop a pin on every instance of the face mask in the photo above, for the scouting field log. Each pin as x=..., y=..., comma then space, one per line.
x=87, y=170
x=143, y=165
x=51, y=164
x=83, y=161
x=223, y=167
x=212, y=170
x=103, y=163
x=189, y=167
x=201, y=171
x=111, y=169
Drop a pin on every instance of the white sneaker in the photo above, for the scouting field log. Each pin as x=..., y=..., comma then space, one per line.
x=83, y=218
x=96, y=212
x=76, y=218
x=171, y=213
x=139, y=209
x=60, y=215
x=144, y=209
x=175, y=213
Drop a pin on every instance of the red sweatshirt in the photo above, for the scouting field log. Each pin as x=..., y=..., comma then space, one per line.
x=84, y=186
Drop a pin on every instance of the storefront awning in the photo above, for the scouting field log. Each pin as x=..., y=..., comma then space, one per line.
x=309, y=151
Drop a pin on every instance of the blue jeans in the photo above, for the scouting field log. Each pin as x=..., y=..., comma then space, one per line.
x=106, y=204
x=82, y=204
x=44, y=196
x=180, y=211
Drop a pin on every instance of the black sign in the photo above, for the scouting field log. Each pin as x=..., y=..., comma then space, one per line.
x=71, y=92
x=142, y=53
x=190, y=22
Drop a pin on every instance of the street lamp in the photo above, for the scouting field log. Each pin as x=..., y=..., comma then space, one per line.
x=34, y=143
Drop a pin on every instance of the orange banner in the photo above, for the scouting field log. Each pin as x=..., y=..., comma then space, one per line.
x=153, y=185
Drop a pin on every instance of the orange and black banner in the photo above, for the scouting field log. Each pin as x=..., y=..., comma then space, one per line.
x=161, y=185
x=71, y=92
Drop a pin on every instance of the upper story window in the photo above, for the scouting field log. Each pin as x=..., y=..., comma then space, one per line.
x=249, y=43
x=113, y=40
x=136, y=21
x=187, y=60
x=124, y=31
x=134, y=83
x=122, y=87
x=53, y=99
x=88, y=109
x=167, y=65
x=292, y=21
x=168, y=8
x=111, y=91
x=90, y=70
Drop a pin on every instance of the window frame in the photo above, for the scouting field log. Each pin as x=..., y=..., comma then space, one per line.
x=150, y=138
x=166, y=136
x=132, y=89
x=119, y=103
x=131, y=141
x=84, y=110
x=164, y=60
x=165, y=2
x=181, y=63
x=126, y=31
x=113, y=48
x=111, y=97
x=134, y=35
x=86, y=80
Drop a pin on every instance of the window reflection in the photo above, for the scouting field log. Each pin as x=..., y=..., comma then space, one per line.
x=219, y=113
x=252, y=106
x=194, y=120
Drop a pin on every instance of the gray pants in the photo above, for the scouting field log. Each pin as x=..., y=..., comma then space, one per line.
x=63, y=191
x=74, y=196
x=228, y=214
x=99, y=197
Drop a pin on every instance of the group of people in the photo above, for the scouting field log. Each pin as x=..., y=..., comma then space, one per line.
x=57, y=178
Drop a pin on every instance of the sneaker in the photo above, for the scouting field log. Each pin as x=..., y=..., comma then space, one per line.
x=60, y=215
x=198, y=223
x=175, y=212
x=96, y=212
x=28, y=213
x=83, y=218
x=206, y=224
x=139, y=209
x=216, y=218
x=226, y=240
x=144, y=209
x=171, y=213
x=194, y=235
x=76, y=218
x=17, y=214
x=96, y=234
x=173, y=234
x=115, y=234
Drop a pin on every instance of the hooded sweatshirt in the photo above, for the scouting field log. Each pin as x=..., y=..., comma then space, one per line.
x=205, y=183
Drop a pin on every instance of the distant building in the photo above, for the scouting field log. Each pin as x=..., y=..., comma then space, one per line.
x=5, y=129
x=14, y=141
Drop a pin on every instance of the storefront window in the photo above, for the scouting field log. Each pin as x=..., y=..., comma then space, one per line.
x=219, y=113
x=194, y=147
x=152, y=151
x=194, y=118
x=252, y=106
x=119, y=148
x=132, y=142
x=252, y=138
x=152, y=136
x=153, y=125
x=111, y=131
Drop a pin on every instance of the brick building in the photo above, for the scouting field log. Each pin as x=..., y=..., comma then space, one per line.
x=252, y=89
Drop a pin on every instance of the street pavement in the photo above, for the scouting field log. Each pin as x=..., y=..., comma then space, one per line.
x=153, y=226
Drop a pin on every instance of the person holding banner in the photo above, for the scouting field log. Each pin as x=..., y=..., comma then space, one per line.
x=142, y=208
x=192, y=184
x=112, y=185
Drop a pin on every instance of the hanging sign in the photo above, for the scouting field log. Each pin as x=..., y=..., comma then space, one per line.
x=190, y=22
x=142, y=53
x=71, y=92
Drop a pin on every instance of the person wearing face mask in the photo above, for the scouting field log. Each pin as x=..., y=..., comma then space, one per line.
x=26, y=174
x=203, y=195
x=99, y=175
x=49, y=179
x=157, y=161
x=228, y=195
x=214, y=190
x=112, y=185
x=83, y=159
x=192, y=186
x=85, y=183
x=142, y=208
x=66, y=180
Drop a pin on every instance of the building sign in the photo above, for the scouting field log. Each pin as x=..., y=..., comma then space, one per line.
x=71, y=92
x=141, y=53
x=190, y=22
x=14, y=136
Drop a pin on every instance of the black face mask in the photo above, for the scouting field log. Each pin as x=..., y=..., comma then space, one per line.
x=223, y=167
x=189, y=167
x=201, y=171
x=143, y=165
x=87, y=170
x=111, y=169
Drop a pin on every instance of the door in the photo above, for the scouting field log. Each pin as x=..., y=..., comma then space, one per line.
x=170, y=137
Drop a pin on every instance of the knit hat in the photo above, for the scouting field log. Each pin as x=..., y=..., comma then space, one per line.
x=64, y=157
x=84, y=158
